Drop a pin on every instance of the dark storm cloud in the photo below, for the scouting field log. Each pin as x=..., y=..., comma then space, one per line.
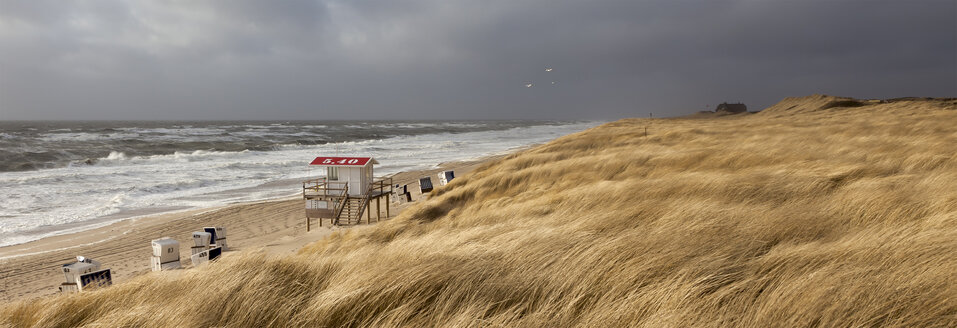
x=418, y=59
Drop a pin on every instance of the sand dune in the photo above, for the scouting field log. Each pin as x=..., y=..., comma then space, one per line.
x=808, y=214
x=814, y=103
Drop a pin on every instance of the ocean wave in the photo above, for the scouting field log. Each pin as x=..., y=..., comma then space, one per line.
x=116, y=156
x=84, y=136
x=112, y=206
x=177, y=131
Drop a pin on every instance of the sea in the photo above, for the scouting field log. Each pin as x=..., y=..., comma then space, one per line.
x=64, y=177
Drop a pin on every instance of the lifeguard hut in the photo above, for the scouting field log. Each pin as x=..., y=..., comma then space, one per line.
x=345, y=192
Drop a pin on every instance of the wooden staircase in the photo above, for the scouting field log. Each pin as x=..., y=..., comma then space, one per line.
x=351, y=212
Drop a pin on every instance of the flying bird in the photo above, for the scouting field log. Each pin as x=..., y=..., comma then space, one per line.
x=548, y=69
x=528, y=85
x=553, y=82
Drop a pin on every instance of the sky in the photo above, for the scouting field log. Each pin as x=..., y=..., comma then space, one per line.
x=449, y=59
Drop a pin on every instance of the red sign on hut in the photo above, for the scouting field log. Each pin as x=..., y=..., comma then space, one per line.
x=341, y=161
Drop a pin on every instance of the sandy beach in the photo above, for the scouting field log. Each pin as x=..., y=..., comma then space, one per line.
x=277, y=226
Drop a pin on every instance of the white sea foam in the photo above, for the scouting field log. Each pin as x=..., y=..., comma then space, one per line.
x=35, y=204
x=116, y=156
x=85, y=136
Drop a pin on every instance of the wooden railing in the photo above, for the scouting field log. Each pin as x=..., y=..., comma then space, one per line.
x=377, y=185
x=336, y=191
x=324, y=187
x=381, y=185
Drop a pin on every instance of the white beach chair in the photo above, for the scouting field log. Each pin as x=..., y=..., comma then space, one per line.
x=446, y=177
x=165, y=254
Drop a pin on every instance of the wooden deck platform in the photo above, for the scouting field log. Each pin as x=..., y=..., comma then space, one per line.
x=341, y=208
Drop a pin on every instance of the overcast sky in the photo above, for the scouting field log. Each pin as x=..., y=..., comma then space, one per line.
x=444, y=59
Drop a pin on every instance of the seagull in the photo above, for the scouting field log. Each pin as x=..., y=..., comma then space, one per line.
x=553, y=82
x=528, y=85
x=548, y=69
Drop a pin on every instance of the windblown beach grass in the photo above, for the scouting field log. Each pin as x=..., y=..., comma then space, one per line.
x=810, y=213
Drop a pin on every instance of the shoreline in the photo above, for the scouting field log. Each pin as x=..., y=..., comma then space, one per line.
x=73, y=228
x=50, y=201
x=274, y=226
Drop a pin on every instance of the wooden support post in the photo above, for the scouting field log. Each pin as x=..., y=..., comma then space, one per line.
x=378, y=209
x=307, y=222
x=368, y=212
x=387, y=206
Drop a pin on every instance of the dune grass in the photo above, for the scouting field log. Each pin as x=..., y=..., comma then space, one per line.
x=807, y=214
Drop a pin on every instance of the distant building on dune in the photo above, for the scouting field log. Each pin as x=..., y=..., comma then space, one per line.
x=731, y=108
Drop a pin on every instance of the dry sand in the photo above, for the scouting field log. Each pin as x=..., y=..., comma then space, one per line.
x=31, y=269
